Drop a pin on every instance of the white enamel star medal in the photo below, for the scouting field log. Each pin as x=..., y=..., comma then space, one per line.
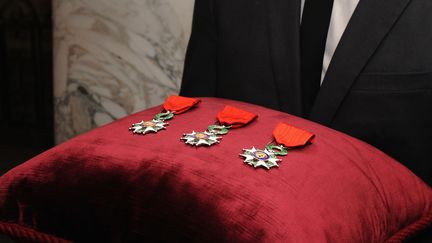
x=172, y=106
x=286, y=136
x=145, y=127
x=207, y=138
x=158, y=123
x=201, y=138
x=227, y=118
x=257, y=157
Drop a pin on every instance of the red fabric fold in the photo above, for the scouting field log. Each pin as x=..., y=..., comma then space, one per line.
x=180, y=104
x=23, y=234
x=235, y=117
x=291, y=136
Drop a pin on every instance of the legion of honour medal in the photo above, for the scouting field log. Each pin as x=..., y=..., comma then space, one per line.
x=287, y=137
x=230, y=117
x=173, y=105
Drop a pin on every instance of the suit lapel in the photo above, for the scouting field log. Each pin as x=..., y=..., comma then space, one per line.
x=369, y=25
x=283, y=25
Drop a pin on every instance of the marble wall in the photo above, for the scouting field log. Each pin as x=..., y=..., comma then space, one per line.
x=115, y=57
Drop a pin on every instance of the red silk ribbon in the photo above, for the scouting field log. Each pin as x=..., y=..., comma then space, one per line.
x=235, y=117
x=291, y=136
x=179, y=104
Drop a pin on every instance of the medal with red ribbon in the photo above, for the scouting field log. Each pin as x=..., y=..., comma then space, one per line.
x=286, y=137
x=229, y=117
x=173, y=105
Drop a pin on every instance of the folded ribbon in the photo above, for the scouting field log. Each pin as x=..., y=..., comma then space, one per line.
x=235, y=117
x=290, y=136
x=179, y=104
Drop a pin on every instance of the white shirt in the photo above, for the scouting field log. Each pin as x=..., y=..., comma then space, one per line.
x=341, y=14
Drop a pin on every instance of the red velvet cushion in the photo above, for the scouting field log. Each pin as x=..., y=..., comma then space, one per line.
x=111, y=186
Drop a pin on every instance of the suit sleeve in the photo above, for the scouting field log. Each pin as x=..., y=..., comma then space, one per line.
x=199, y=74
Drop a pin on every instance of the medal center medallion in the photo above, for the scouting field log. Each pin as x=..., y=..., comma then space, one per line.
x=201, y=135
x=149, y=124
x=261, y=155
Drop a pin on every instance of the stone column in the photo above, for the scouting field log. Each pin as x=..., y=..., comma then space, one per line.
x=115, y=57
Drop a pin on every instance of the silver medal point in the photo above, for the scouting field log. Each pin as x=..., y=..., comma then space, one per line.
x=257, y=157
x=201, y=138
x=145, y=127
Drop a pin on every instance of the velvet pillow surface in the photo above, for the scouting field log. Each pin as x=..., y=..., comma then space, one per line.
x=109, y=185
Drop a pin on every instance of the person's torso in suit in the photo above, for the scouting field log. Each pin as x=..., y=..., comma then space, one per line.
x=378, y=86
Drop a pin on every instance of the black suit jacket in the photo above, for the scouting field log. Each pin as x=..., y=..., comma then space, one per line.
x=378, y=86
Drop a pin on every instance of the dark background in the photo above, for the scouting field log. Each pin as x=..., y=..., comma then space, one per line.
x=26, y=103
